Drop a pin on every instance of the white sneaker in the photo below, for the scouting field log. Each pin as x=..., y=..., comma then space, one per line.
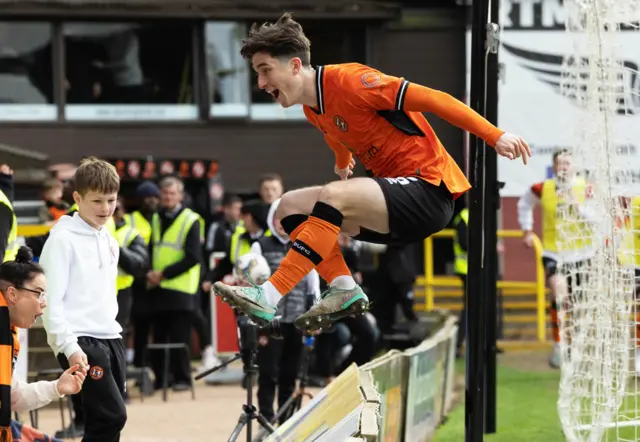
x=556, y=356
x=209, y=359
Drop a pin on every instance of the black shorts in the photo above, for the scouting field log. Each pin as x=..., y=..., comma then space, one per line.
x=417, y=209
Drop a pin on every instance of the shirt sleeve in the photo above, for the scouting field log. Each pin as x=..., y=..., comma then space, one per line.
x=419, y=98
x=377, y=91
x=526, y=204
x=26, y=397
x=343, y=156
x=56, y=262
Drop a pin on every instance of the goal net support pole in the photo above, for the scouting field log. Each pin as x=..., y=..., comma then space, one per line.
x=480, y=404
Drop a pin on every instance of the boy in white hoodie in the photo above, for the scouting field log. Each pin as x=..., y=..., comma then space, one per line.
x=80, y=260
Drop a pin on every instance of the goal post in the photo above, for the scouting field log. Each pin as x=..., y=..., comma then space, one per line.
x=598, y=224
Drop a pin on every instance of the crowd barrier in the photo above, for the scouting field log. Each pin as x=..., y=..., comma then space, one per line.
x=400, y=396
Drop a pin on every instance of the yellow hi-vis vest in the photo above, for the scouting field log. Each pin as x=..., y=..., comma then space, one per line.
x=240, y=246
x=124, y=235
x=460, y=263
x=573, y=232
x=169, y=249
x=110, y=225
x=137, y=221
x=635, y=229
x=629, y=250
x=12, y=242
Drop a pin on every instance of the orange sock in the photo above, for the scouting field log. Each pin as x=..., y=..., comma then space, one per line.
x=333, y=265
x=314, y=242
x=553, y=311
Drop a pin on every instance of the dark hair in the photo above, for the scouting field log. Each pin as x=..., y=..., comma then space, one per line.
x=284, y=38
x=21, y=270
x=560, y=151
x=258, y=211
x=229, y=199
x=270, y=177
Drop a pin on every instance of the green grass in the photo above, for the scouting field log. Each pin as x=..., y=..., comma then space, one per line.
x=527, y=409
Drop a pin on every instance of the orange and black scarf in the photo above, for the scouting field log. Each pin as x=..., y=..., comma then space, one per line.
x=8, y=350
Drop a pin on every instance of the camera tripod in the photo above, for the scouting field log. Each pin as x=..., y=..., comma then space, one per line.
x=294, y=402
x=248, y=354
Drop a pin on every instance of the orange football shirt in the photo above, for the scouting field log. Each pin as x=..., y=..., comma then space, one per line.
x=378, y=118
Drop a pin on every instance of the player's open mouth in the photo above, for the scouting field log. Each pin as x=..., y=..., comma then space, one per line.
x=275, y=93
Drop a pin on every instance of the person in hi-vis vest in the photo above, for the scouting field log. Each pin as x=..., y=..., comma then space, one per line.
x=134, y=256
x=174, y=278
x=148, y=200
x=563, y=241
x=627, y=246
x=8, y=222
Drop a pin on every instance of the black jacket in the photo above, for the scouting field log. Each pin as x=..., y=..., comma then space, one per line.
x=6, y=215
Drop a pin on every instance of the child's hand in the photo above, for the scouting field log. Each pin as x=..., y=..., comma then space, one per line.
x=70, y=382
x=80, y=359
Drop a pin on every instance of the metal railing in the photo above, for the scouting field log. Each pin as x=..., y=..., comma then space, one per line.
x=430, y=281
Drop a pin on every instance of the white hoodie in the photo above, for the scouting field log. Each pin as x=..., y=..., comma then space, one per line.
x=81, y=267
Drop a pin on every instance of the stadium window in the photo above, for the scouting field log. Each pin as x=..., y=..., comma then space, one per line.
x=26, y=72
x=129, y=72
x=227, y=72
x=331, y=42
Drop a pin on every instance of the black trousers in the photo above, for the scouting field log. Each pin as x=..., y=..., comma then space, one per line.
x=104, y=413
x=388, y=294
x=172, y=328
x=279, y=362
x=201, y=325
x=125, y=302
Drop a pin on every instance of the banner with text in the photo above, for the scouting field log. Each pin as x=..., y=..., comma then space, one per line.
x=533, y=48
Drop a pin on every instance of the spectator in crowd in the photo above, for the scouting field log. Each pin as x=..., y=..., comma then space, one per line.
x=394, y=280
x=217, y=243
x=80, y=259
x=22, y=298
x=132, y=263
x=174, y=279
x=6, y=181
x=218, y=239
x=271, y=187
x=253, y=227
x=279, y=359
x=54, y=206
x=8, y=221
x=148, y=198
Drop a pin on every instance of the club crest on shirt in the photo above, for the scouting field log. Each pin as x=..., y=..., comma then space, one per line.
x=340, y=123
x=370, y=79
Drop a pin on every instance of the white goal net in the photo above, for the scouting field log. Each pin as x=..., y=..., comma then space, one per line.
x=598, y=228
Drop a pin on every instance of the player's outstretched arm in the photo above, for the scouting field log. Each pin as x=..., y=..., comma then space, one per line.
x=423, y=99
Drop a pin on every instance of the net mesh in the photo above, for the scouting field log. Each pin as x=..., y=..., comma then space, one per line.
x=598, y=224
